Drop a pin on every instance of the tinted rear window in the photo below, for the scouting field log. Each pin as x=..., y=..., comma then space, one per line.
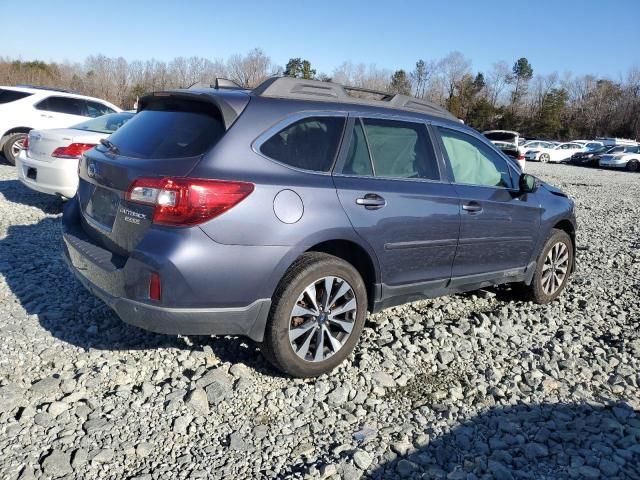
x=7, y=96
x=309, y=144
x=105, y=124
x=173, y=129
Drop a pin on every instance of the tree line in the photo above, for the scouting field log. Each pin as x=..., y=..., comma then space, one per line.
x=507, y=96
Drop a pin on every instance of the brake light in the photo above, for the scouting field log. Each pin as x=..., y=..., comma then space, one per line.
x=75, y=150
x=155, y=288
x=520, y=156
x=25, y=143
x=187, y=201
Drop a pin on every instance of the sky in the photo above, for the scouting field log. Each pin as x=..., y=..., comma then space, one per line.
x=584, y=37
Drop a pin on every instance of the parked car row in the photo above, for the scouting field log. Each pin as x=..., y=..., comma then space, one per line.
x=602, y=152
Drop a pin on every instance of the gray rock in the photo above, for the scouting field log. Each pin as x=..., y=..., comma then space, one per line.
x=405, y=468
x=535, y=450
x=143, y=449
x=499, y=470
x=181, y=424
x=338, y=396
x=104, y=455
x=11, y=396
x=237, y=442
x=445, y=357
x=56, y=408
x=198, y=401
x=57, y=464
x=362, y=459
x=383, y=379
x=80, y=458
x=47, y=387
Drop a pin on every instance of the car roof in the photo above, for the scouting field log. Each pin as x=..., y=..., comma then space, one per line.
x=290, y=88
x=50, y=91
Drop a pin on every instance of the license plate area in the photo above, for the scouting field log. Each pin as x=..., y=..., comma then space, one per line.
x=98, y=204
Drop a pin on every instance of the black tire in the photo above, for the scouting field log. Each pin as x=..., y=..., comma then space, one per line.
x=633, y=165
x=7, y=149
x=309, y=268
x=535, y=291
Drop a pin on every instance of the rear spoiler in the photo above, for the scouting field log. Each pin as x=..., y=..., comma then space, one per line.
x=230, y=103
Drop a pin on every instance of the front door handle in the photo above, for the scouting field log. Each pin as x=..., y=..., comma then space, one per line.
x=472, y=207
x=371, y=201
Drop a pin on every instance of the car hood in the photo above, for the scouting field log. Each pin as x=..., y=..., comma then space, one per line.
x=553, y=189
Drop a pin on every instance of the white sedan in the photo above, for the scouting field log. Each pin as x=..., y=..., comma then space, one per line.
x=555, y=154
x=48, y=162
x=629, y=159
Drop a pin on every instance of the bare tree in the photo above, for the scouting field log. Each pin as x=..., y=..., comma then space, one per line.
x=251, y=69
x=497, y=80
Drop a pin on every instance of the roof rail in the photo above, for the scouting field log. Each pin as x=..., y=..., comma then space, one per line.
x=315, y=90
x=53, y=89
x=220, y=83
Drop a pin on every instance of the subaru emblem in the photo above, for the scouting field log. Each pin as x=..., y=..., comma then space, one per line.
x=91, y=170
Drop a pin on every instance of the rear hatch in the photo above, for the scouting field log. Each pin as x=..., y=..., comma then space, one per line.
x=167, y=138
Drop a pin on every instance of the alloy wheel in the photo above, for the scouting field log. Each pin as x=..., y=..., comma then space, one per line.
x=17, y=146
x=555, y=268
x=322, y=319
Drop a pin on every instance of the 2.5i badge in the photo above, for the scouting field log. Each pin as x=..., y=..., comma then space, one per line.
x=132, y=216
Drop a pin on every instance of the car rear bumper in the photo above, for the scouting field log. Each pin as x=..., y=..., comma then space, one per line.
x=123, y=284
x=248, y=321
x=58, y=177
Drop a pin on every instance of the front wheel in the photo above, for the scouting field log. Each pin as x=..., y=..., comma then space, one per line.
x=633, y=166
x=544, y=158
x=316, y=317
x=553, y=268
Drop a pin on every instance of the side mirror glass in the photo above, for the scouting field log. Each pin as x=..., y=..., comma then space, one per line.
x=528, y=183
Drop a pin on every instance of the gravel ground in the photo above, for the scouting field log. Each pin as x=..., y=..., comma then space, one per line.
x=470, y=386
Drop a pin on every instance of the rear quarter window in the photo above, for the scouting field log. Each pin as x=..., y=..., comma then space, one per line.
x=171, y=129
x=309, y=144
x=8, y=96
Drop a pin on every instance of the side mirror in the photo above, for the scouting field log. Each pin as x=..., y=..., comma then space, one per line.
x=528, y=183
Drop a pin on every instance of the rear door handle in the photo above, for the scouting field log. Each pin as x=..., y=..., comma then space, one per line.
x=371, y=201
x=472, y=207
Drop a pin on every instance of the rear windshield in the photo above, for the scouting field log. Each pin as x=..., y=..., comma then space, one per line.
x=104, y=124
x=170, y=129
x=7, y=96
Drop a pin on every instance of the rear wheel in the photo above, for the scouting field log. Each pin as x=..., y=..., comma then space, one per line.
x=12, y=147
x=544, y=158
x=316, y=317
x=553, y=268
x=633, y=166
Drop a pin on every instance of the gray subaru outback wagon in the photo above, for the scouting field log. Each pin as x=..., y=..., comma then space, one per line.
x=287, y=212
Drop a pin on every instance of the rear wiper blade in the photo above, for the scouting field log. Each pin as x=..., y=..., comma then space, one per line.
x=110, y=145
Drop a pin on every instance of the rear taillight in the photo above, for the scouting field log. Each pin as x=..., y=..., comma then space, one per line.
x=25, y=143
x=187, y=201
x=75, y=150
x=520, y=156
x=155, y=288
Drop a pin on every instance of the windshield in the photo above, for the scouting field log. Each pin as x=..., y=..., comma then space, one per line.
x=105, y=124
